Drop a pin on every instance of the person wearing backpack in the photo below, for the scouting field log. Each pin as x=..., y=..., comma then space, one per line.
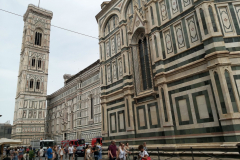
x=96, y=151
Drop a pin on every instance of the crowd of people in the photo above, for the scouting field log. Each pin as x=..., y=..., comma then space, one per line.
x=121, y=152
x=18, y=153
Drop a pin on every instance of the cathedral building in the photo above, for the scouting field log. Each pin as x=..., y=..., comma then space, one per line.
x=170, y=71
x=74, y=112
x=30, y=102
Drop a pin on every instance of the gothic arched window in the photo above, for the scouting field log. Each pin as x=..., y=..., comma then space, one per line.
x=92, y=113
x=152, y=17
x=124, y=64
x=38, y=38
x=144, y=64
x=33, y=62
x=38, y=85
x=122, y=37
x=111, y=24
x=203, y=21
x=31, y=84
x=156, y=48
x=212, y=18
x=39, y=63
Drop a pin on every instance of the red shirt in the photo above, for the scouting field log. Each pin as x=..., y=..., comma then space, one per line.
x=113, y=150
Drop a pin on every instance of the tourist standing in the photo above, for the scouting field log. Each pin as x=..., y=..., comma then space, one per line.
x=46, y=155
x=88, y=153
x=70, y=151
x=15, y=154
x=61, y=152
x=74, y=151
x=41, y=153
x=142, y=154
x=145, y=146
x=100, y=151
x=127, y=150
x=55, y=155
x=50, y=153
x=66, y=152
x=8, y=151
x=122, y=152
x=112, y=150
x=20, y=153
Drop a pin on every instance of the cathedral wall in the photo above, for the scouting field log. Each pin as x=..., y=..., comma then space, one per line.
x=74, y=110
x=173, y=78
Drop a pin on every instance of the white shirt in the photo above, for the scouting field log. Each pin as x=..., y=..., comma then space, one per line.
x=122, y=153
x=142, y=154
x=41, y=152
x=70, y=149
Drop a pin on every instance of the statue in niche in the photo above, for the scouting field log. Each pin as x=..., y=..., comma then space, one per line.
x=35, y=104
x=114, y=71
x=24, y=114
x=34, y=114
x=113, y=46
x=25, y=104
x=135, y=4
x=107, y=50
x=44, y=105
x=30, y=114
x=120, y=67
x=143, y=10
x=109, y=74
x=40, y=115
x=129, y=23
x=40, y=105
x=118, y=42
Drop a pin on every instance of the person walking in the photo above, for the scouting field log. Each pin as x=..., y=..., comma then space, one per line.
x=65, y=152
x=70, y=151
x=145, y=146
x=74, y=151
x=15, y=154
x=46, y=155
x=142, y=154
x=55, y=155
x=127, y=150
x=100, y=151
x=88, y=153
x=41, y=153
x=61, y=152
x=8, y=151
x=122, y=152
x=50, y=153
x=20, y=153
x=112, y=150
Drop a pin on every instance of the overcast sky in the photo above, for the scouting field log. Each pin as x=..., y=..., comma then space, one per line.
x=69, y=52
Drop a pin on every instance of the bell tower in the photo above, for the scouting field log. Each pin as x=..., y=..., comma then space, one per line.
x=30, y=101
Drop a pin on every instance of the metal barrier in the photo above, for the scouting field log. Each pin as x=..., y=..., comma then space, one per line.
x=188, y=153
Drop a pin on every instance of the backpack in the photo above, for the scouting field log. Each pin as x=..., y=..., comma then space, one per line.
x=96, y=152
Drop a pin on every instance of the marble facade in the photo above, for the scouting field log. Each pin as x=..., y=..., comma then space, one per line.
x=74, y=112
x=30, y=102
x=170, y=71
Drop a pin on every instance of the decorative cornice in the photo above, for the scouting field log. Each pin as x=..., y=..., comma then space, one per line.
x=34, y=9
x=106, y=8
